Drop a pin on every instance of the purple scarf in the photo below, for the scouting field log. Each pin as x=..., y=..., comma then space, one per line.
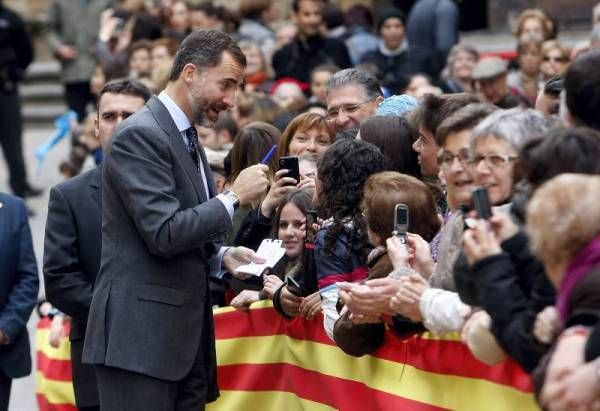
x=577, y=269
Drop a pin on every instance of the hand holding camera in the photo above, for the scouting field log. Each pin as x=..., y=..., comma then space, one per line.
x=282, y=185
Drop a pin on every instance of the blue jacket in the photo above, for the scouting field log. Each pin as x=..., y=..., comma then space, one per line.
x=18, y=286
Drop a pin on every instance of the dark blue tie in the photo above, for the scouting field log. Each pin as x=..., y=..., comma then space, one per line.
x=192, y=136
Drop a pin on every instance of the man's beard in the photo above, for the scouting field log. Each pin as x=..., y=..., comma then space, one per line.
x=199, y=107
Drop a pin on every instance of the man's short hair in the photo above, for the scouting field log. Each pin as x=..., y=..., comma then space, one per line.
x=296, y=4
x=252, y=9
x=582, y=86
x=126, y=86
x=204, y=49
x=353, y=76
x=465, y=118
x=434, y=109
x=168, y=42
x=142, y=44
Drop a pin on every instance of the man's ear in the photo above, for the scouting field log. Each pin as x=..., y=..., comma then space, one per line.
x=188, y=73
x=96, y=129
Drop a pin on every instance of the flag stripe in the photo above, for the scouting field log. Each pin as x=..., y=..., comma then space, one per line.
x=62, y=352
x=387, y=376
x=424, y=350
x=44, y=405
x=306, y=384
x=265, y=400
x=51, y=369
x=55, y=392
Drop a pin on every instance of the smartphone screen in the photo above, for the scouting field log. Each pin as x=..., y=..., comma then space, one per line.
x=481, y=202
x=290, y=164
x=401, y=221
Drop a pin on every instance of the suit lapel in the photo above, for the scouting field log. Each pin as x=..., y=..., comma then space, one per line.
x=165, y=122
x=212, y=190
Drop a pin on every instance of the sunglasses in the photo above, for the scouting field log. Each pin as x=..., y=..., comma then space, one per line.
x=556, y=59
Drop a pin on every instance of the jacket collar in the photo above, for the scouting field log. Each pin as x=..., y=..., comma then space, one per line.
x=166, y=122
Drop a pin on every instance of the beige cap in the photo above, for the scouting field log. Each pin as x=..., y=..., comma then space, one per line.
x=489, y=68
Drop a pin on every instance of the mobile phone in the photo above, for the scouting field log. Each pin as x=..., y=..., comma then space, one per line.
x=481, y=201
x=311, y=219
x=294, y=288
x=401, y=222
x=290, y=164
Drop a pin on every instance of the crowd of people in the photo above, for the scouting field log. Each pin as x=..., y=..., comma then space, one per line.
x=379, y=109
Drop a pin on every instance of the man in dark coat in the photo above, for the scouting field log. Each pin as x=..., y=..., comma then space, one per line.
x=73, y=234
x=310, y=48
x=18, y=293
x=150, y=328
x=16, y=53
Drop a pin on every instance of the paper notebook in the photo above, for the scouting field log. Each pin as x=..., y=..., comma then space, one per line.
x=270, y=250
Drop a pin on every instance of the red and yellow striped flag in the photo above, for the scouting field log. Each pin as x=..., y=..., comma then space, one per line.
x=53, y=377
x=269, y=363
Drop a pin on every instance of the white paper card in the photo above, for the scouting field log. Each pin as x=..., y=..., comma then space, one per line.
x=270, y=250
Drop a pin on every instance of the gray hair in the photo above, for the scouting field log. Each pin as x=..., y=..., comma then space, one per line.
x=353, y=76
x=515, y=126
x=457, y=48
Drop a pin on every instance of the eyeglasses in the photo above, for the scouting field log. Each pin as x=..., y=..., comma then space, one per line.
x=492, y=160
x=556, y=59
x=446, y=159
x=334, y=113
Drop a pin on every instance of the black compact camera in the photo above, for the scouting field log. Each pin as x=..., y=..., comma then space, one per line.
x=481, y=201
x=401, y=222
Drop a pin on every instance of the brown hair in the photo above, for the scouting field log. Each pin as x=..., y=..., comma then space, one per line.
x=394, y=136
x=434, y=109
x=382, y=191
x=139, y=45
x=526, y=43
x=252, y=9
x=300, y=123
x=547, y=26
x=464, y=119
x=250, y=146
x=555, y=44
x=168, y=42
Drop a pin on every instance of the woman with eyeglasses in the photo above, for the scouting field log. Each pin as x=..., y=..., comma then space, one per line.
x=496, y=270
x=555, y=59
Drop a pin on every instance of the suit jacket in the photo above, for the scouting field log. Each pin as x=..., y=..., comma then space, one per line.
x=151, y=309
x=71, y=262
x=19, y=284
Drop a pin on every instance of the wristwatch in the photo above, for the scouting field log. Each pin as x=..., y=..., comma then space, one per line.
x=233, y=197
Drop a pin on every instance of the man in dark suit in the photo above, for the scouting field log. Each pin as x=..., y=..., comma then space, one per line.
x=73, y=234
x=18, y=292
x=150, y=328
x=16, y=53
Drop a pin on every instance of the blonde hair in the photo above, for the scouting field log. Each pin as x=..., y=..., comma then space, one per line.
x=563, y=217
x=547, y=25
x=549, y=45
